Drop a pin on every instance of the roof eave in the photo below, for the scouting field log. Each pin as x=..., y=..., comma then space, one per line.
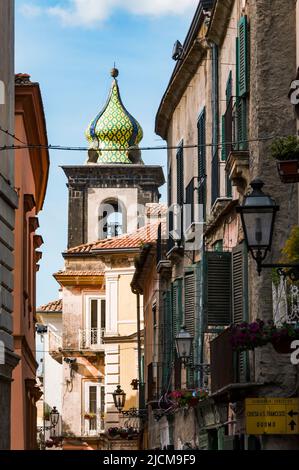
x=178, y=85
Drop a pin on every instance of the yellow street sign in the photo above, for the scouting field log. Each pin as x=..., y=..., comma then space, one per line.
x=272, y=415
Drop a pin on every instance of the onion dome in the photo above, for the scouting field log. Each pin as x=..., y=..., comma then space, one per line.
x=115, y=129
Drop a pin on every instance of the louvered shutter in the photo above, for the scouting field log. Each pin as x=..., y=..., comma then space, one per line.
x=242, y=56
x=180, y=175
x=215, y=124
x=189, y=302
x=241, y=124
x=177, y=321
x=169, y=186
x=223, y=139
x=167, y=338
x=177, y=311
x=201, y=139
x=218, y=278
x=189, y=313
x=201, y=136
x=240, y=303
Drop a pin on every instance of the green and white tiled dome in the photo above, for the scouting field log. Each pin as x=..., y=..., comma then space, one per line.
x=114, y=128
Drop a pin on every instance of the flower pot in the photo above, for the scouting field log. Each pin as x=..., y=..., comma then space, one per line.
x=283, y=345
x=288, y=171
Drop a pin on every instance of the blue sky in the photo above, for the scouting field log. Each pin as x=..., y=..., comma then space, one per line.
x=69, y=47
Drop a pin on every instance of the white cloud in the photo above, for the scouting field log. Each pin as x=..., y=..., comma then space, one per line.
x=92, y=12
x=31, y=11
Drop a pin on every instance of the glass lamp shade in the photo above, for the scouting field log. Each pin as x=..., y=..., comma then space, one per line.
x=54, y=416
x=119, y=398
x=258, y=216
x=183, y=343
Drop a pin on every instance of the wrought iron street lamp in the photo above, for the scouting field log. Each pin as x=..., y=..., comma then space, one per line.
x=183, y=344
x=54, y=418
x=119, y=398
x=258, y=213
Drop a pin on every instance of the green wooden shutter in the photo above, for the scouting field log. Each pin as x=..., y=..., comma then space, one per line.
x=227, y=129
x=177, y=307
x=177, y=321
x=215, y=124
x=180, y=175
x=237, y=67
x=167, y=339
x=201, y=137
x=243, y=56
x=189, y=302
x=241, y=122
x=240, y=304
x=169, y=186
x=223, y=139
x=229, y=88
x=189, y=312
x=218, y=278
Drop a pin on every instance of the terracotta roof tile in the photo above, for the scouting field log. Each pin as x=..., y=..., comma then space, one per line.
x=55, y=306
x=146, y=234
x=155, y=210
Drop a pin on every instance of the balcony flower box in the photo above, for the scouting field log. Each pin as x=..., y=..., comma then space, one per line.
x=187, y=398
x=123, y=433
x=286, y=153
x=248, y=336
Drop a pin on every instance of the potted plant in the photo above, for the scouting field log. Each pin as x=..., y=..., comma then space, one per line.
x=286, y=151
x=247, y=336
x=188, y=398
x=113, y=432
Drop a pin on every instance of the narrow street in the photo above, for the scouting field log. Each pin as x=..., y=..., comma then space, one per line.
x=149, y=229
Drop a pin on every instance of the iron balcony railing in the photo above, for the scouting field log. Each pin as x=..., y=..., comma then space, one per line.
x=235, y=126
x=91, y=338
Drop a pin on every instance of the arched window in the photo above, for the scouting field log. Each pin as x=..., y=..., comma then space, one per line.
x=112, y=219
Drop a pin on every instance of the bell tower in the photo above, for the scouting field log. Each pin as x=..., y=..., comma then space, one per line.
x=107, y=193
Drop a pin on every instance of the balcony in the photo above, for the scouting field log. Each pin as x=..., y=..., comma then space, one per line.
x=55, y=345
x=230, y=376
x=235, y=151
x=91, y=339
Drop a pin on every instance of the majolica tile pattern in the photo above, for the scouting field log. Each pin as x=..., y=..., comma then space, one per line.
x=114, y=128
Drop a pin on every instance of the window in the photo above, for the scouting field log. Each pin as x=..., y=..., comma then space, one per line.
x=95, y=320
x=112, y=219
x=94, y=408
x=227, y=130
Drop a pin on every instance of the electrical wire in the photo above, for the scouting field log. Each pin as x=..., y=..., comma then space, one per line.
x=121, y=149
x=5, y=131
